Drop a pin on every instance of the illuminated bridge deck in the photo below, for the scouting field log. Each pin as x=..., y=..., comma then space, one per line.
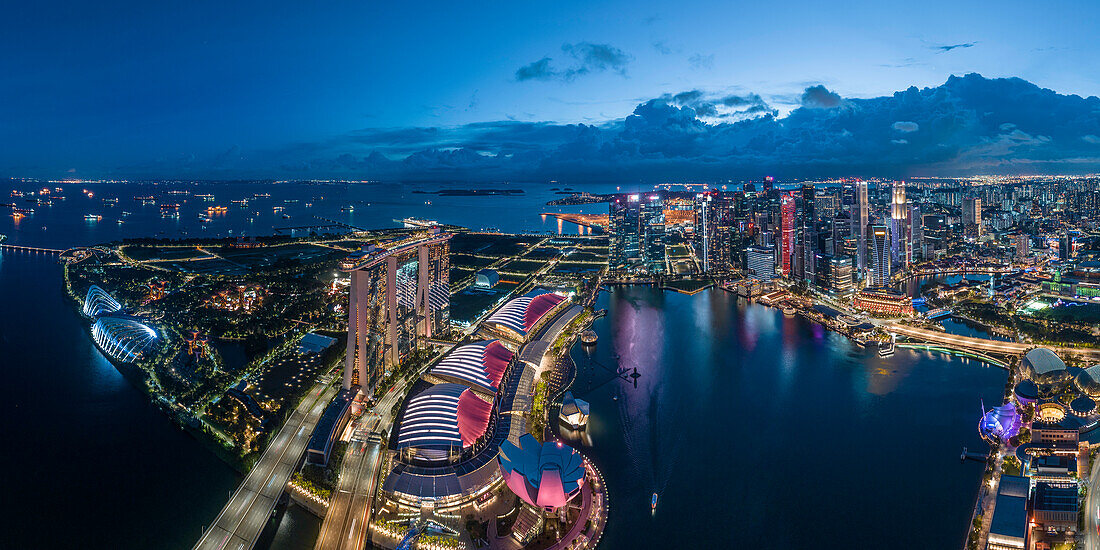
x=245, y=515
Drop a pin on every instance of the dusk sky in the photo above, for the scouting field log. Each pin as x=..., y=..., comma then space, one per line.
x=495, y=90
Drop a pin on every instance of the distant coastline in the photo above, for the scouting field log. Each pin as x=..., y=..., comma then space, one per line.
x=472, y=192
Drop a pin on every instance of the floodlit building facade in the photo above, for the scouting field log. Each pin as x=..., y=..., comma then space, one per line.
x=399, y=292
x=880, y=267
x=637, y=233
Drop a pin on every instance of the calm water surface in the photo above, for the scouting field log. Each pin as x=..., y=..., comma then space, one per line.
x=765, y=431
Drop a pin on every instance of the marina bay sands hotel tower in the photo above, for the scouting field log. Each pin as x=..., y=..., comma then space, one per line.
x=400, y=292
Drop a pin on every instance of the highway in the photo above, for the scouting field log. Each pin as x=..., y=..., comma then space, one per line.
x=348, y=517
x=350, y=510
x=1092, y=537
x=245, y=515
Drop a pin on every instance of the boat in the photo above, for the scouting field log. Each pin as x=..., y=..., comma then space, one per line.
x=417, y=223
x=286, y=216
x=653, y=503
x=788, y=311
x=93, y=217
x=347, y=208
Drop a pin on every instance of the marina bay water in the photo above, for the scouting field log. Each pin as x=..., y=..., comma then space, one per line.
x=759, y=430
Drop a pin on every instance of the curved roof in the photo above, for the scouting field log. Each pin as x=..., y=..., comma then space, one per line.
x=480, y=365
x=1044, y=364
x=123, y=338
x=1001, y=423
x=444, y=416
x=542, y=474
x=1088, y=381
x=1026, y=390
x=1082, y=405
x=523, y=313
x=97, y=302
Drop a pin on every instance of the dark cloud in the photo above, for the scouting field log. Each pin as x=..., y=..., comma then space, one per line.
x=595, y=58
x=968, y=125
x=949, y=47
x=663, y=48
x=819, y=97
x=586, y=58
x=538, y=70
x=700, y=61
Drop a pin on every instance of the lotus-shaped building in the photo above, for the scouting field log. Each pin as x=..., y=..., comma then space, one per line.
x=546, y=475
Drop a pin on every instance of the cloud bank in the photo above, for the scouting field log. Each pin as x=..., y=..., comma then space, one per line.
x=968, y=125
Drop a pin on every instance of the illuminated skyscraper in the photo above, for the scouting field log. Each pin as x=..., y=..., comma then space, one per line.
x=860, y=212
x=972, y=217
x=901, y=246
x=786, y=237
x=878, y=240
x=400, y=291
x=637, y=236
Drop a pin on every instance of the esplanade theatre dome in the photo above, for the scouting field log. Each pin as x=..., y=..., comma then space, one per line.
x=1088, y=381
x=1044, y=367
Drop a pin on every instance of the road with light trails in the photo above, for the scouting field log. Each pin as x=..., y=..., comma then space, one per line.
x=347, y=522
x=1092, y=538
x=245, y=515
x=982, y=344
x=348, y=517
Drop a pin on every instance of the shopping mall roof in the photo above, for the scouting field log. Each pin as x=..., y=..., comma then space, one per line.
x=523, y=313
x=480, y=365
x=542, y=474
x=443, y=416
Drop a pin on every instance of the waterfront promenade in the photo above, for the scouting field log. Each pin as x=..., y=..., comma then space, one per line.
x=245, y=515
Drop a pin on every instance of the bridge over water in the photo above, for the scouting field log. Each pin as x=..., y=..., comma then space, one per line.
x=246, y=514
x=983, y=345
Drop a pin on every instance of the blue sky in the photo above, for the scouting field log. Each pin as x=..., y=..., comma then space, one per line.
x=216, y=89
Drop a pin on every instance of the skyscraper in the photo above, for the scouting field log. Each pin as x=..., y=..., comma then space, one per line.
x=878, y=240
x=786, y=236
x=400, y=291
x=808, y=233
x=714, y=219
x=916, y=232
x=972, y=217
x=901, y=246
x=761, y=262
x=860, y=212
x=1023, y=246
x=637, y=233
